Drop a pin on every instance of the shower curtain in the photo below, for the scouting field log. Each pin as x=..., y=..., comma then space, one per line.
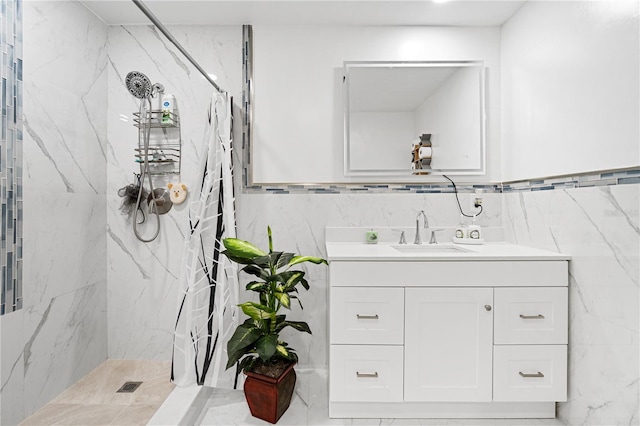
x=207, y=306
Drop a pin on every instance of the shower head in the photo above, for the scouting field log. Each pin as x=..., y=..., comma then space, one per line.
x=138, y=84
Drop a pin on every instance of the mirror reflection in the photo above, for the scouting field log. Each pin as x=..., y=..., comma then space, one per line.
x=404, y=118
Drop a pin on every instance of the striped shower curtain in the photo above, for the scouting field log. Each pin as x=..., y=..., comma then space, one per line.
x=207, y=311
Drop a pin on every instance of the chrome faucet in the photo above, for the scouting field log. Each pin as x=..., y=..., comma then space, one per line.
x=418, y=240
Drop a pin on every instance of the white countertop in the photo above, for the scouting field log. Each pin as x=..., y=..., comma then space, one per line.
x=358, y=251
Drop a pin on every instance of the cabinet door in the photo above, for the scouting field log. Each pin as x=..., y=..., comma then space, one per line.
x=448, y=344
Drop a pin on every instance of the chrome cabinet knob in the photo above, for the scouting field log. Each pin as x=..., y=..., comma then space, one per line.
x=487, y=307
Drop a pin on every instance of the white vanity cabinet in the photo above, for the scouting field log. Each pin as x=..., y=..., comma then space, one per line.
x=447, y=337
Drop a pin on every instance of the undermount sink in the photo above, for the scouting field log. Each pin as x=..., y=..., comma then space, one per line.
x=430, y=248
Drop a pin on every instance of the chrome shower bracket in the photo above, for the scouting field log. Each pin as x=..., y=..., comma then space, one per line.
x=158, y=90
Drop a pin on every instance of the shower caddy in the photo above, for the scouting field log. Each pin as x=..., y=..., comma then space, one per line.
x=159, y=147
x=165, y=142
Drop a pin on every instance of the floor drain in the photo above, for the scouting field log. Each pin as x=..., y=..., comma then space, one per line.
x=129, y=387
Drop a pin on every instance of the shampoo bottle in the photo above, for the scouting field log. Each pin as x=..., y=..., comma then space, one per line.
x=475, y=232
x=168, y=109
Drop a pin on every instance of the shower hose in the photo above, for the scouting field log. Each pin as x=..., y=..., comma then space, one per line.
x=145, y=134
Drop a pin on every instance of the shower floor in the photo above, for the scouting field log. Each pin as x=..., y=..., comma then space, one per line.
x=93, y=399
x=309, y=406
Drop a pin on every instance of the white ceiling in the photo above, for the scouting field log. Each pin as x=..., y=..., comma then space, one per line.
x=308, y=12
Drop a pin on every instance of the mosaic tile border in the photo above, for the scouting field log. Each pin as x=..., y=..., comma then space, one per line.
x=602, y=178
x=11, y=155
x=367, y=188
x=585, y=180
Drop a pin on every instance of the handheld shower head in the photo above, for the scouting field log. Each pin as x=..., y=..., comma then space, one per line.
x=138, y=84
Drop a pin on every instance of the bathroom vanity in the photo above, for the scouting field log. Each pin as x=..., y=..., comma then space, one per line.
x=446, y=330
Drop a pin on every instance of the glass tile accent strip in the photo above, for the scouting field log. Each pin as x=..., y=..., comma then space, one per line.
x=11, y=155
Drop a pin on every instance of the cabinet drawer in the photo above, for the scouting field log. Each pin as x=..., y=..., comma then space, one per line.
x=531, y=315
x=367, y=315
x=533, y=373
x=366, y=373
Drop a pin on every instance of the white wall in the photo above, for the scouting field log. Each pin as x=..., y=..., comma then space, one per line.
x=570, y=92
x=570, y=104
x=298, y=127
x=60, y=334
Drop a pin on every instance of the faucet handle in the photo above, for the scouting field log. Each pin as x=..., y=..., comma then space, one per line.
x=433, y=239
x=403, y=239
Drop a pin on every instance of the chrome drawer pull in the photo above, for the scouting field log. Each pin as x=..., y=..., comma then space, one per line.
x=359, y=374
x=367, y=316
x=538, y=374
x=539, y=316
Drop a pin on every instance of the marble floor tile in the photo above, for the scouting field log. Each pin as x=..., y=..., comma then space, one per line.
x=136, y=414
x=74, y=414
x=101, y=384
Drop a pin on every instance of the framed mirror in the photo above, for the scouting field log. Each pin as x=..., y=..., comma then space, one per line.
x=414, y=118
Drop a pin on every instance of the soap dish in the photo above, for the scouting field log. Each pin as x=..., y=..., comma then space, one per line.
x=471, y=241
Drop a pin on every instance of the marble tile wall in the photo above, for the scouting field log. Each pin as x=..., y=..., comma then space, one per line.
x=600, y=228
x=142, y=277
x=60, y=334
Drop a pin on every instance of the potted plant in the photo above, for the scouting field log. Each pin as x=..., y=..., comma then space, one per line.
x=256, y=347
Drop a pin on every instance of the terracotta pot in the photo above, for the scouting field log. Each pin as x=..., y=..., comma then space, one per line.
x=269, y=398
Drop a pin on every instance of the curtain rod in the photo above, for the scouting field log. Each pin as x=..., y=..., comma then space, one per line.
x=167, y=34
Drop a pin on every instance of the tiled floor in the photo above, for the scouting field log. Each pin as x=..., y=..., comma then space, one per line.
x=309, y=406
x=93, y=399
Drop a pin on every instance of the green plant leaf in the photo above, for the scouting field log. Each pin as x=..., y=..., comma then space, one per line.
x=305, y=284
x=262, y=261
x=301, y=259
x=240, y=260
x=267, y=261
x=298, y=325
x=241, y=342
x=294, y=279
x=256, y=271
x=270, y=239
x=284, y=299
x=284, y=260
x=256, y=286
x=266, y=346
x=257, y=311
x=242, y=249
x=288, y=278
x=246, y=363
x=282, y=351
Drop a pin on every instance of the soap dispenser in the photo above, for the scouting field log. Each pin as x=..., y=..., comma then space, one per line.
x=475, y=232
x=461, y=229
